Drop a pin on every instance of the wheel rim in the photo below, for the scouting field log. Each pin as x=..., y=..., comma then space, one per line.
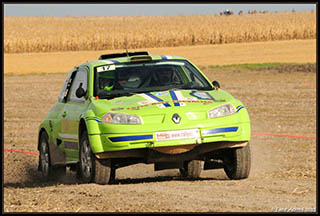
x=44, y=158
x=86, y=159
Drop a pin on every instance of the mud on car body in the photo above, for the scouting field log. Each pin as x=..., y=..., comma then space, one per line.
x=129, y=108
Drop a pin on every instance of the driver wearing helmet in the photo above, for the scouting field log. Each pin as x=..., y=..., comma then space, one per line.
x=164, y=75
x=106, y=80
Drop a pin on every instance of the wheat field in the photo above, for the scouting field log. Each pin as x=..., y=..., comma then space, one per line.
x=51, y=34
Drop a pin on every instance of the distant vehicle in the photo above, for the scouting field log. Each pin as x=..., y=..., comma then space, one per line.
x=129, y=108
x=226, y=13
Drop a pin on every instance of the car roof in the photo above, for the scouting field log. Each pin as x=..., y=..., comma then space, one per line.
x=124, y=59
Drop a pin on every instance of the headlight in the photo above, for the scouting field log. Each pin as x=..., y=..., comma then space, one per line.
x=223, y=110
x=121, y=118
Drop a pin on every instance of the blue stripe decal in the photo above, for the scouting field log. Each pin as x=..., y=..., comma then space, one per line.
x=115, y=61
x=239, y=109
x=164, y=57
x=174, y=97
x=94, y=119
x=154, y=97
x=131, y=138
x=238, y=106
x=157, y=99
x=219, y=130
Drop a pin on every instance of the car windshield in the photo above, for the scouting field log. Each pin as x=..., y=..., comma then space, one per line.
x=117, y=80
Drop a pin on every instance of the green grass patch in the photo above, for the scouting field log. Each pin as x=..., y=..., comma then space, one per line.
x=256, y=66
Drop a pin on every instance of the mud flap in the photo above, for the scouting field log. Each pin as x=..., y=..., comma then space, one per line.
x=57, y=156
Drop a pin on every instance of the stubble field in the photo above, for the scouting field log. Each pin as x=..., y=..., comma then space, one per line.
x=279, y=100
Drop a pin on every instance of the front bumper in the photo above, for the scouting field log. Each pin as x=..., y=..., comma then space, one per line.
x=119, y=142
x=171, y=153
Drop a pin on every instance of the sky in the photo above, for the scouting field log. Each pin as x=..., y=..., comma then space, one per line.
x=143, y=9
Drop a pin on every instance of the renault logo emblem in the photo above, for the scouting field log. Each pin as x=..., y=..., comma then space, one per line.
x=176, y=118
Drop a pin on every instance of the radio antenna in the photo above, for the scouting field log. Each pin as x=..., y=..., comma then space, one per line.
x=126, y=45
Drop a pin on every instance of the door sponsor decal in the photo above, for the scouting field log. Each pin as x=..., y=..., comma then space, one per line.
x=68, y=136
x=71, y=145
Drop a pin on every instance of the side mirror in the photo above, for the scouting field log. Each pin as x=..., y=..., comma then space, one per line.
x=80, y=91
x=216, y=84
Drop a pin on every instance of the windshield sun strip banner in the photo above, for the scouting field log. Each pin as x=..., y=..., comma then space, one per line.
x=169, y=63
x=131, y=138
x=219, y=130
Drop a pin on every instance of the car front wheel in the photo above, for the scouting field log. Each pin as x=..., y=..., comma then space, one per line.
x=237, y=162
x=90, y=168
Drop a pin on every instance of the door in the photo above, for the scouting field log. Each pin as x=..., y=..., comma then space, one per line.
x=71, y=114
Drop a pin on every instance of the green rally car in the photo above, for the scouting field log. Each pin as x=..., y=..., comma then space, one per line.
x=129, y=108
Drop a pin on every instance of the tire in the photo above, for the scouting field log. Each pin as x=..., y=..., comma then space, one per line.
x=104, y=174
x=44, y=157
x=90, y=168
x=191, y=169
x=237, y=162
x=48, y=172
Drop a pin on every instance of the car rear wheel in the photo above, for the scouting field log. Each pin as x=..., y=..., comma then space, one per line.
x=44, y=157
x=237, y=162
x=90, y=168
x=48, y=172
x=191, y=169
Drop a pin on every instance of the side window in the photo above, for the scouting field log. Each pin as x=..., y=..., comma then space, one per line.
x=198, y=81
x=81, y=78
x=195, y=77
x=64, y=91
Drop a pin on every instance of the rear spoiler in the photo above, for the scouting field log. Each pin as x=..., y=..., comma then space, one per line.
x=126, y=54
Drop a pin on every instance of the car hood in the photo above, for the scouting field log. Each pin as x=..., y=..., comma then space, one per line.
x=163, y=102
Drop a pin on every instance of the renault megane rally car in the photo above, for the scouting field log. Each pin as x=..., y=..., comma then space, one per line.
x=129, y=108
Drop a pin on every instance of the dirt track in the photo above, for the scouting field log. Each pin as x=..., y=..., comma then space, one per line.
x=283, y=173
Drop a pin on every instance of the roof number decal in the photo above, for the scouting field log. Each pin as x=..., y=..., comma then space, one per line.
x=106, y=68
